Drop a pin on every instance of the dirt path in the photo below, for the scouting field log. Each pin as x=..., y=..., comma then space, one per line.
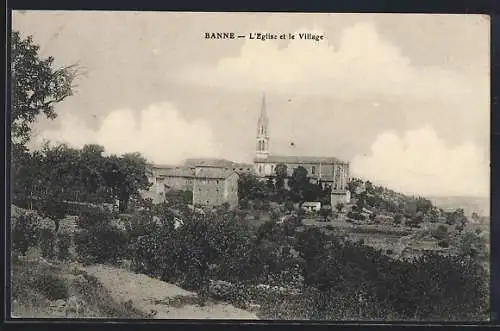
x=148, y=294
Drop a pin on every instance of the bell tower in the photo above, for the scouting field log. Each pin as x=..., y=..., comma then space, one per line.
x=262, y=146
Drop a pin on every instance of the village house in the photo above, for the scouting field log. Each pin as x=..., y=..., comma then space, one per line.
x=215, y=186
x=311, y=206
x=212, y=183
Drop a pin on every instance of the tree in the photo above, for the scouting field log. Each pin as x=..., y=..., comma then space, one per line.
x=441, y=232
x=299, y=183
x=281, y=174
x=250, y=188
x=369, y=186
x=126, y=176
x=270, y=186
x=60, y=169
x=398, y=218
x=25, y=229
x=36, y=86
x=353, y=184
x=91, y=167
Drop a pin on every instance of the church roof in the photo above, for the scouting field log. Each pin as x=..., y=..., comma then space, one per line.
x=299, y=159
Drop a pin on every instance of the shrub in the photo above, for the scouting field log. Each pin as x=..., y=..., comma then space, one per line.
x=63, y=245
x=443, y=243
x=100, y=244
x=51, y=286
x=25, y=228
x=46, y=239
x=90, y=216
x=440, y=233
x=356, y=216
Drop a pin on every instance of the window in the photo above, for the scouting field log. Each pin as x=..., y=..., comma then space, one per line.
x=260, y=168
x=313, y=170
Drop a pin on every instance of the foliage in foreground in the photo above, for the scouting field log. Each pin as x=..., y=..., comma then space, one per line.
x=335, y=278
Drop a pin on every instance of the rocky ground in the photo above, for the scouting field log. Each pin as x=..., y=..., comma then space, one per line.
x=159, y=299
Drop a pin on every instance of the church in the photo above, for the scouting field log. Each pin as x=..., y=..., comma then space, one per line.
x=327, y=171
x=215, y=181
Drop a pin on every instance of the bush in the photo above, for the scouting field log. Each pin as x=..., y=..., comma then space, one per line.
x=51, y=286
x=63, y=245
x=356, y=216
x=101, y=244
x=25, y=229
x=443, y=243
x=46, y=239
x=90, y=216
x=440, y=233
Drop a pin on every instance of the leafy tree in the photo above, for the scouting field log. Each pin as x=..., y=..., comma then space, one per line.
x=91, y=168
x=25, y=228
x=47, y=240
x=281, y=174
x=299, y=184
x=37, y=85
x=434, y=214
x=353, y=184
x=471, y=245
x=369, y=187
x=126, y=177
x=250, y=188
x=60, y=169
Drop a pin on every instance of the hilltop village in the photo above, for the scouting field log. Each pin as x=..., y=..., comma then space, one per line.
x=214, y=182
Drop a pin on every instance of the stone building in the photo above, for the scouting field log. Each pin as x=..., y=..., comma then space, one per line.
x=327, y=171
x=212, y=181
x=215, y=186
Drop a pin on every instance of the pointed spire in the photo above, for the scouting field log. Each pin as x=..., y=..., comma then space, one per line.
x=263, y=120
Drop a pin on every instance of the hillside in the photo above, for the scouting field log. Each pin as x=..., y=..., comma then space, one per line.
x=471, y=204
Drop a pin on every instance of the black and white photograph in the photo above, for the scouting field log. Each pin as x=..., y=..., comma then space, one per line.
x=250, y=166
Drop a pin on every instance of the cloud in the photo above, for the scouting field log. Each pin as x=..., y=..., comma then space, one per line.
x=364, y=64
x=421, y=163
x=159, y=132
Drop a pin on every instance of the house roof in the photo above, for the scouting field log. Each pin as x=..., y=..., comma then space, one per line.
x=299, y=159
x=208, y=162
x=214, y=173
x=311, y=203
x=176, y=172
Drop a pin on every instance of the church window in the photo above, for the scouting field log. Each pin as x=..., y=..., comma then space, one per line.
x=260, y=168
x=313, y=170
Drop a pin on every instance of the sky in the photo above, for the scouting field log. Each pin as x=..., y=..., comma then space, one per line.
x=403, y=97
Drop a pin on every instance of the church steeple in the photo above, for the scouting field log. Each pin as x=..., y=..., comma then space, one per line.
x=262, y=148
